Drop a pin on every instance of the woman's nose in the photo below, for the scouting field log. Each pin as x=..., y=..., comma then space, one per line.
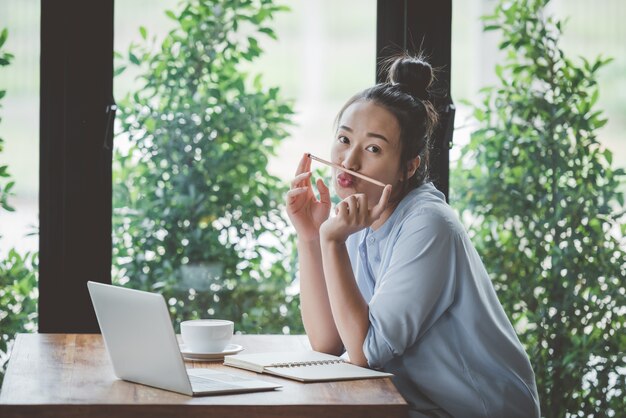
x=350, y=159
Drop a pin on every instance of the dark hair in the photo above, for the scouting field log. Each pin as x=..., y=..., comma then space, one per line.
x=406, y=95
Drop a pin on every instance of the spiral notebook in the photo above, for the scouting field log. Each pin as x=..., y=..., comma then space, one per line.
x=305, y=366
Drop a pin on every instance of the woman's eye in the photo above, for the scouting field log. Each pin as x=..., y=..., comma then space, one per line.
x=373, y=148
x=343, y=140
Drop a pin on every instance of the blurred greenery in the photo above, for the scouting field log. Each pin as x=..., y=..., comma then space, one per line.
x=18, y=300
x=197, y=216
x=6, y=183
x=18, y=273
x=543, y=206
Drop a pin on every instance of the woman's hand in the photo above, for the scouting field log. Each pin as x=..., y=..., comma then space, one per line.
x=352, y=215
x=305, y=211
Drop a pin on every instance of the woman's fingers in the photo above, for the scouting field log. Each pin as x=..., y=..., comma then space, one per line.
x=297, y=191
x=353, y=205
x=363, y=208
x=342, y=209
x=382, y=203
x=294, y=193
x=300, y=179
x=324, y=192
x=304, y=165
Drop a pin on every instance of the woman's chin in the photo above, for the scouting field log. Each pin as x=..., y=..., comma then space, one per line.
x=344, y=191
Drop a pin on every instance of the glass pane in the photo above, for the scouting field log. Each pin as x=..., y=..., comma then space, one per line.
x=19, y=164
x=326, y=52
x=590, y=30
x=205, y=148
x=20, y=123
x=474, y=56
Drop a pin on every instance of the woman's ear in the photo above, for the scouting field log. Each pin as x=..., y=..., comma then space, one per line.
x=412, y=166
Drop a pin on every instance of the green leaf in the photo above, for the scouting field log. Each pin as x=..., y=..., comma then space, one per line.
x=9, y=186
x=281, y=8
x=133, y=58
x=594, y=98
x=143, y=32
x=504, y=44
x=488, y=28
x=257, y=82
x=7, y=207
x=3, y=36
x=479, y=114
x=269, y=32
x=600, y=123
x=600, y=63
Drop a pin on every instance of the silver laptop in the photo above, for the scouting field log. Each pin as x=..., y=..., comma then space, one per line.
x=140, y=339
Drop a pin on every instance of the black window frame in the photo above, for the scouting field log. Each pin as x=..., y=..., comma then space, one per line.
x=75, y=183
x=76, y=116
x=423, y=27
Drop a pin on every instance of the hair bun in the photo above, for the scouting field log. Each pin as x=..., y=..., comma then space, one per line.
x=412, y=75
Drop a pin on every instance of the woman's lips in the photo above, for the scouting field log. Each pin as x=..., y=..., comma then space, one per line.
x=345, y=180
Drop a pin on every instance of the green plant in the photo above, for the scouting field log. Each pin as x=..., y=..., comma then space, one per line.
x=18, y=300
x=197, y=215
x=18, y=274
x=547, y=216
x=6, y=184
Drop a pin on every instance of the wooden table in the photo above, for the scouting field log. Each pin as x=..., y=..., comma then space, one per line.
x=70, y=375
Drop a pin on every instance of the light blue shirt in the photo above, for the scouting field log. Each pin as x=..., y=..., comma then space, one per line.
x=435, y=320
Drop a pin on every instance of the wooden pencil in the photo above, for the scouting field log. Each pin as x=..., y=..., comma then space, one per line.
x=354, y=173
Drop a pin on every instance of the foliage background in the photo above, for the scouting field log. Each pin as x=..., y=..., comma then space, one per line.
x=198, y=217
x=543, y=207
x=18, y=273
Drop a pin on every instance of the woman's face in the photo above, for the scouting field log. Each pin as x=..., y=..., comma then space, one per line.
x=367, y=141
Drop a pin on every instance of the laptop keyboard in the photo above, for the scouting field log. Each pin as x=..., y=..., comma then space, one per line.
x=201, y=384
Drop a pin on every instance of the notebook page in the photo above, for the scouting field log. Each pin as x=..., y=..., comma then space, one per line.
x=324, y=372
x=258, y=362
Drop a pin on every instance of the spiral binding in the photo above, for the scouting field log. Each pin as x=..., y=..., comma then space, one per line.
x=307, y=363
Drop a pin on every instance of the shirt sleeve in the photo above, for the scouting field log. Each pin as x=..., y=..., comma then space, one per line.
x=414, y=291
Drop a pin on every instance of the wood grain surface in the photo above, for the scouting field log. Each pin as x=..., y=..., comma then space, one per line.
x=70, y=375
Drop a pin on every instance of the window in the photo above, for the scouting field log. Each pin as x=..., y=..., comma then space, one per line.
x=190, y=219
x=76, y=159
x=19, y=128
x=590, y=30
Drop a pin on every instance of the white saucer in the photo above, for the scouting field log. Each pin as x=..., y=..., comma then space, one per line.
x=190, y=355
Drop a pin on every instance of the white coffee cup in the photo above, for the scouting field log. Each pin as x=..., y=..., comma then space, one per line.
x=206, y=335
